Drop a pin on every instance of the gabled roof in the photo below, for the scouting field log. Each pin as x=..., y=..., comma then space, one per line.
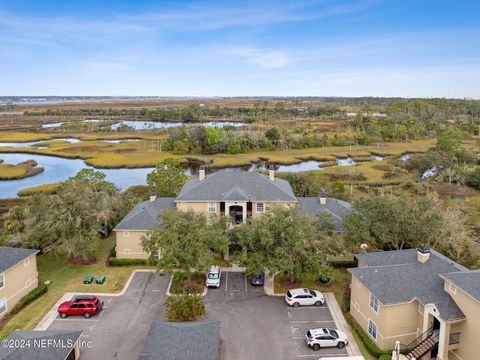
x=9, y=257
x=65, y=339
x=199, y=340
x=337, y=209
x=396, y=277
x=144, y=216
x=234, y=185
x=468, y=281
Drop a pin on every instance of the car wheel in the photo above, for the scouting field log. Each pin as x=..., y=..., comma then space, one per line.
x=87, y=315
x=316, y=347
x=341, y=345
x=318, y=303
x=296, y=304
x=63, y=315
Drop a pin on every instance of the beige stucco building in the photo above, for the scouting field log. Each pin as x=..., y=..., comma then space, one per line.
x=239, y=195
x=18, y=275
x=427, y=302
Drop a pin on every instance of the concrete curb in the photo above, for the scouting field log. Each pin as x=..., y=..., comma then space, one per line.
x=52, y=314
x=352, y=347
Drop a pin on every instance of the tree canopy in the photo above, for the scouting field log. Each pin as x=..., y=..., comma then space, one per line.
x=167, y=179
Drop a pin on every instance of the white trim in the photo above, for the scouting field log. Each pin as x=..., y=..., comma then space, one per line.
x=6, y=305
x=356, y=306
x=126, y=251
x=375, y=301
x=26, y=262
x=452, y=288
x=368, y=329
x=454, y=353
x=22, y=289
x=359, y=284
x=28, y=283
x=211, y=209
x=422, y=308
x=263, y=207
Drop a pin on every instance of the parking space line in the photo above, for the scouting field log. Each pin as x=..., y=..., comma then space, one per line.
x=226, y=283
x=319, y=355
x=246, y=286
x=312, y=321
x=60, y=319
x=306, y=307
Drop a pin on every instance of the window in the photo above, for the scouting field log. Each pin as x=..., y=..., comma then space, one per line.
x=126, y=251
x=212, y=207
x=26, y=262
x=3, y=305
x=421, y=308
x=372, y=329
x=260, y=207
x=452, y=288
x=28, y=283
x=373, y=303
x=126, y=233
x=2, y=281
x=156, y=255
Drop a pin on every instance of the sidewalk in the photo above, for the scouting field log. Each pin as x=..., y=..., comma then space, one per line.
x=342, y=324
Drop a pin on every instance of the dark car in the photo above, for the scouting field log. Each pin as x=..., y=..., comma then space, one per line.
x=258, y=279
x=81, y=305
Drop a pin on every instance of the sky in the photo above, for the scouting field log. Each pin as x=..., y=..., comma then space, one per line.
x=408, y=48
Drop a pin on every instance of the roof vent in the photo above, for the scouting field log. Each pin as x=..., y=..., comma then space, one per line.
x=423, y=253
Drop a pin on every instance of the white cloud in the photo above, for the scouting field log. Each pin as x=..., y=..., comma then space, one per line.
x=269, y=59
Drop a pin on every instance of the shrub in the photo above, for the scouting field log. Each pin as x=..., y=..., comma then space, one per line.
x=187, y=282
x=369, y=344
x=344, y=264
x=30, y=297
x=346, y=303
x=126, y=262
x=385, y=357
x=185, y=308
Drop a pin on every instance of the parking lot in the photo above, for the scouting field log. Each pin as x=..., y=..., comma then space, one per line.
x=256, y=326
x=119, y=331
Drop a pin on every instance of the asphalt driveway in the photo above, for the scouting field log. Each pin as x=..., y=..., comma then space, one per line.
x=256, y=326
x=119, y=331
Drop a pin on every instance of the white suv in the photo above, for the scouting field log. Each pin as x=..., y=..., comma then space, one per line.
x=213, y=277
x=319, y=338
x=297, y=297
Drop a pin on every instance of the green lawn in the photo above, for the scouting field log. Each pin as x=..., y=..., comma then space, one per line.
x=67, y=277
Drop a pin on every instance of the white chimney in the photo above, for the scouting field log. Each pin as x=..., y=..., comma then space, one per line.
x=423, y=253
x=323, y=198
x=153, y=197
x=201, y=173
x=271, y=173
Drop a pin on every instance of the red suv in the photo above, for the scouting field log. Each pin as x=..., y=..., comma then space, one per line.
x=81, y=305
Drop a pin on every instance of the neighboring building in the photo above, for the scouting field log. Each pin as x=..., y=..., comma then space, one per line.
x=41, y=345
x=237, y=194
x=199, y=340
x=427, y=302
x=18, y=275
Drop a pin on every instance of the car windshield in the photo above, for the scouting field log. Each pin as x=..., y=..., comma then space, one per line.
x=289, y=294
x=334, y=333
x=312, y=292
x=213, y=276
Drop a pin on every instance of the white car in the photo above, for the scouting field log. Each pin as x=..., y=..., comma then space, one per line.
x=319, y=338
x=303, y=296
x=213, y=277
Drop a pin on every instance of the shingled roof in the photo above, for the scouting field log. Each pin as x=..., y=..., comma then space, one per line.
x=144, y=216
x=9, y=257
x=468, y=281
x=337, y=209
x=397, y=277
x=199, y=340
x=231, y=185
x=37, y=348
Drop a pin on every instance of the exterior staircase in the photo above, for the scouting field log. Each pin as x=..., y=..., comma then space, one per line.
x=422, y=345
